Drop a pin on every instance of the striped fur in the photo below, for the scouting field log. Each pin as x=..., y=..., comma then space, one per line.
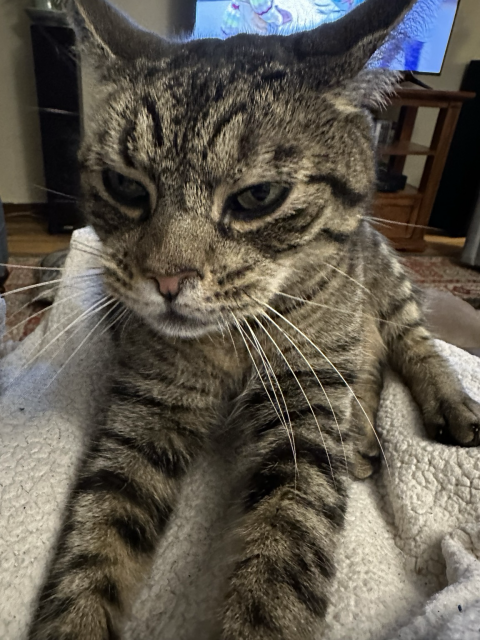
x=283, y=335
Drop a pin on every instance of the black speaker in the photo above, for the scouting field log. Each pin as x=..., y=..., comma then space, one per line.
x=57, y=81
x=460, y=185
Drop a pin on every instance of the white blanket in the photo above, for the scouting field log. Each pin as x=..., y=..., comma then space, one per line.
x=409, y=563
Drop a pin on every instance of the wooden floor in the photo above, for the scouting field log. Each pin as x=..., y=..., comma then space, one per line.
x=443, y=246
x=28, y=235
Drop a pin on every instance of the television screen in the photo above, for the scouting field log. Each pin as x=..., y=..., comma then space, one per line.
x=422, y=49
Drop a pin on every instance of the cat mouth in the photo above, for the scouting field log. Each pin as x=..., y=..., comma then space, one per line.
x=173, y=315
x=174, y=322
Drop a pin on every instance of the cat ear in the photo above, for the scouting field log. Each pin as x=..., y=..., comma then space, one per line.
x=344, y=47
x=105, y=33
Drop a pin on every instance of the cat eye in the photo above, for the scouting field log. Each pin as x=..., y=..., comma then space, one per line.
x=125, y=190
x=257, y=201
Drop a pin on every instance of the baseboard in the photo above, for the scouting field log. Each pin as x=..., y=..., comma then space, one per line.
x=39, y=208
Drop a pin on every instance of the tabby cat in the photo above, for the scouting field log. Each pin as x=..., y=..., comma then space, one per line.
x=230, y=183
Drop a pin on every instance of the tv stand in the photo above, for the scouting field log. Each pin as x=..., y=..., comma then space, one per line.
x=409, y=210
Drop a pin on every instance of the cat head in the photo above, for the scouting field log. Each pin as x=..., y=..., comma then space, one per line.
x=219, y=172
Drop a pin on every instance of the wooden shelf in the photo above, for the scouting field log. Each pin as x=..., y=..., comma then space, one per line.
x=412, y=96
x=409, y=193
x=405, y=148
x=405, y=214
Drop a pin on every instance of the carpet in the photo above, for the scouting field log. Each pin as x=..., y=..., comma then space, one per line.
x=24, y=309
x=445, y=274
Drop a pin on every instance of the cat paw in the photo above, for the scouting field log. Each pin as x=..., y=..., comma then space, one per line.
x=366, y=459
x=455, y=422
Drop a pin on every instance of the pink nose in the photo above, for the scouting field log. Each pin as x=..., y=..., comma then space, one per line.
x=169, y=286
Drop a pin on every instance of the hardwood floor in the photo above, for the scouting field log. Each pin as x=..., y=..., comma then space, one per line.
x=28, y=235
x=443, y=246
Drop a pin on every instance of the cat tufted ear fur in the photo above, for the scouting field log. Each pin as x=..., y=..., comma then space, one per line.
x=344, y=47
x=104, y=33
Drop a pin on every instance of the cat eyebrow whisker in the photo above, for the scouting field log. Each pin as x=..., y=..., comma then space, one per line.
x=327, y=359
x=57, y=193
x=276, y=407
x=62, y=112
x=403, y=224
x=300, y=352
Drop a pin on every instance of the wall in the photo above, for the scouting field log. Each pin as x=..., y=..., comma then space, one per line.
x=20, y=153
x=20, y=149
x=162, y=16
x=464, y=46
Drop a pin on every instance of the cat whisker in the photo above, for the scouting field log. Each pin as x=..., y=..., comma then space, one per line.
x=90, y=333
x=347, y=311
x=304, y=393
x=97, y=306
x=27, y=266
x=227, y=326
x=402, y=224
x=78, y=243
x=348, y=276
x=62, y=112
x=80, y=277
x=90, y=253
x=52, y=331
x=268, y=367
x=32, y=301
x=300, y=352
x=116, y=320
x=276, y=407
x=58, y=193
x=34, y=315
x=125, y=322
x=327, y=359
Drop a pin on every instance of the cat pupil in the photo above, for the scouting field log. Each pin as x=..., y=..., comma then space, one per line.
x=127, y=185
x=261, y=191
x=123, y=189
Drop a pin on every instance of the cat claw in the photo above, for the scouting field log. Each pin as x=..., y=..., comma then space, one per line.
x=456, y=423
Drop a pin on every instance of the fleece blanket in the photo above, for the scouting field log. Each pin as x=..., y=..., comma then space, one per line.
x=409, y=561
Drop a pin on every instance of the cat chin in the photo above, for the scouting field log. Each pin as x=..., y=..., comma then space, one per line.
x=181, y=327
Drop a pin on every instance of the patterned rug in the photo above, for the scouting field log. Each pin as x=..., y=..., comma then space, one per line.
x=25, y=310
x=446, y=274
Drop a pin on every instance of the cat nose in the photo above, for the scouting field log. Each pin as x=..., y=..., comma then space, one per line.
x=169, y=286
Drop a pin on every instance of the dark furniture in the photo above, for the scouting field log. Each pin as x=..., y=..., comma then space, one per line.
x=460, y=185
x=58, y=94
x=412, y=207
